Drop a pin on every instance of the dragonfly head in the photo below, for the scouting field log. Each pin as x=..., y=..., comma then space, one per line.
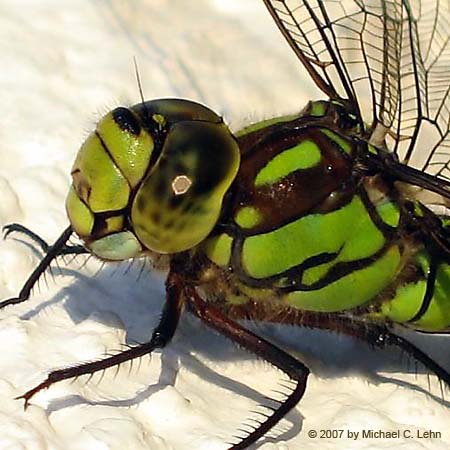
x=151, y=178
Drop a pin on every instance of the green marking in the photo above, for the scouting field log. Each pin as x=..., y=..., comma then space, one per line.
x=248, y=217
x=81, y=218
x=314, y=274
x=218, y=249
x=114, y=224
x=348, y=231
x=355, y=289
x=159, y=119
x=265, y=124
x=372, y=149
x=304, y=155
x=117, y=246
x=318, y=109
x=242, y=293
x=96, y=178
x=437, y=316
x=389, y=213
x=418, y=211
x=409, y=298
x=258, y=294
x=130, y=153
x=339, y=140
x=364, y=241
x=237, y=299
x=283, y=282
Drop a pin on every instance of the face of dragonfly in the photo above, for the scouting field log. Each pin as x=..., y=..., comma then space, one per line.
x=151, y=178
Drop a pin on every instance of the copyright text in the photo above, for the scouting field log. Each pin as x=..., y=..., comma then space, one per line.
x=374, y=434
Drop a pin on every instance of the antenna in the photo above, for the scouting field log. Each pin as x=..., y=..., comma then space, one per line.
x=138, y=79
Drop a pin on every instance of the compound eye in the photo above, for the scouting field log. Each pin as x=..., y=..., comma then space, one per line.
x=179, y=202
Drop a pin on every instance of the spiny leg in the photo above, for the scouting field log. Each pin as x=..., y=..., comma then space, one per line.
x=374, y=334
x=45, y=247
x=53, y=252
x=161, y=336
x=380, y=336
x=390, y=338
x=296, y=371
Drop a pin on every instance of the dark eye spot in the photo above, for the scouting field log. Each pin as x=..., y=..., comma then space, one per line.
x=176, y=201
x=160, y=188
x=140, y=202
x=187, y=206
x=170, y=223
x=126, y=121
x=156, y=217
x=198, y=210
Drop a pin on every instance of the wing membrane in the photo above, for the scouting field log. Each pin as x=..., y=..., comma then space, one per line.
x=431, y=50
x=390, y=59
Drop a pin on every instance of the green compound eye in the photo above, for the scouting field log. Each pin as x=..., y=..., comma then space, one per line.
x=179, y=202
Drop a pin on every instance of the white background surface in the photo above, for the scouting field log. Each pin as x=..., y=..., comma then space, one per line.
x=64, y=64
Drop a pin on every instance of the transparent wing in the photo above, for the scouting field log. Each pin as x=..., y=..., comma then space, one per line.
x=429, y=79
x=390, y=60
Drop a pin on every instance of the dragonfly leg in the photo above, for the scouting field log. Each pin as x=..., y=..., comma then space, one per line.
x=379, y=336
x=390, y=338
x=45, y=247
x=52, y=252
x=296, y=371
x=161, y=336
x=375, y=334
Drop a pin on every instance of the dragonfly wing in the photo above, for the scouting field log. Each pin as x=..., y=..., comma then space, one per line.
x=388, y=59
x=350, y=49
x=424, y=113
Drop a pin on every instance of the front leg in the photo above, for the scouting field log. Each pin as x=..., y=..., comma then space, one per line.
x=45, y=247
x=161, y=336
x=52, y=252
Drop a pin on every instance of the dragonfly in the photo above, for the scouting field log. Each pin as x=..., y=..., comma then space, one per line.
x=331, y=218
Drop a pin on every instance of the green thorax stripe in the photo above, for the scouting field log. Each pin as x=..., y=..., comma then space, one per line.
x=409, y=304
x=288, y=174
x=305, y=155
x=354, y=289
x=347, y=232
x=342, y=142
x=265, y=124
x=218, y=249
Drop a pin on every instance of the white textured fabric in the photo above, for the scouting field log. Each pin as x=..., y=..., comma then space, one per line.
x=64, y=64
